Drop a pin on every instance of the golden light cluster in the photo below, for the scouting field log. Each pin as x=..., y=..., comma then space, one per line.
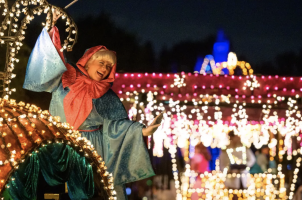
x=14, y=25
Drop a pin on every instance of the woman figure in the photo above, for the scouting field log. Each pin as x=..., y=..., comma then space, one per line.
x=82, y=97
x=200, y=164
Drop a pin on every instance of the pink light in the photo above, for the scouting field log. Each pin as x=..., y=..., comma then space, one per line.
x=267, y=88
x=291, y=78
x=179, y=95
x=164, y=86
x=212, y=86
x=120, y=92
x=138, y=85
x=172, y=94
x=252, y=97
x=187, y=95
x=243, y=96
x=247, y=77
x=123, y=86
x=195, y=86
x=236, y=96
x=203, y=87
x=236, y=90
x=211, y=75
x=195, y=74
x=284, y=78
x=293, y=90
x=139, y=75
x=146, y=74
x=116, y=74
x=189, y=74
x=301, y=79
x=284, y=89
x=276, y=88
x=228, y=87
x=160, y=74
x=259, y=96
x=301, y=89
x=268, y=95
x=125, y=75
x=132, y=75
x=240, y=77
x=233, y=77
x=276, y=76
x=182, y=73
x=220, y=86
x=131, y=86
x=168, y=75
x=148, y=85
x=155, y=86
x=161, y=92
x=269, y=77
x=195, y=94
x=262, y=77
x=153, y=74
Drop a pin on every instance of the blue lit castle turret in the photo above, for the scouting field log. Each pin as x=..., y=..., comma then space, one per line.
x=222, y=61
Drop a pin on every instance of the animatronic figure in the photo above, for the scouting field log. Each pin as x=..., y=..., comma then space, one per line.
x=82, y=97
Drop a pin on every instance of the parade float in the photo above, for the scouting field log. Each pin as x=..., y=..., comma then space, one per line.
x=33, y=141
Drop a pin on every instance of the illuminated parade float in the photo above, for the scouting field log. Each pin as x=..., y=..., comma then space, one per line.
x=221, y=97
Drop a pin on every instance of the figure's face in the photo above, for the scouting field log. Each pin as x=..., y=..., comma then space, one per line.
x=98, y=69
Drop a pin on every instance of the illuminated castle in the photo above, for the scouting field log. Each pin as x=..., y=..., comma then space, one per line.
x=222, y=61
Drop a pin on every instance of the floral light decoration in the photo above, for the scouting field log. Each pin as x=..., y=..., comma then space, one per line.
x=25, y=128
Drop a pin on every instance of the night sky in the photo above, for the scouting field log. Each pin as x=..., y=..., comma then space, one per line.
x=257, y=29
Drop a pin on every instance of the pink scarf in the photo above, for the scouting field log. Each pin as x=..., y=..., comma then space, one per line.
x=78, y=101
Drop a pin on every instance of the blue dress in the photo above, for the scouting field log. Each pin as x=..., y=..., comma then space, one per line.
x=119, y=141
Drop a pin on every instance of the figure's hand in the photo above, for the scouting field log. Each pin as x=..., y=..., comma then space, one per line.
x=55, y=16
x=153, y=126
